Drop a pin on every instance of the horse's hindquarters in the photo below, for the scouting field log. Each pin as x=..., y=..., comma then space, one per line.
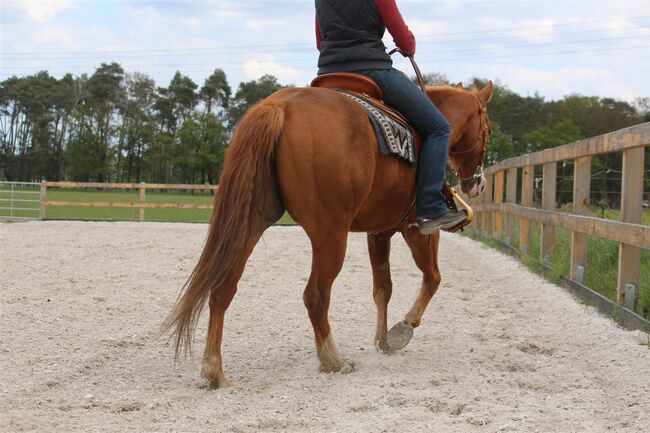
x=323, y=160
x=329, y=168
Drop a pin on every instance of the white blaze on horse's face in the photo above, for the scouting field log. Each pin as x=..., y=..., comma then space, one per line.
x=478, y=188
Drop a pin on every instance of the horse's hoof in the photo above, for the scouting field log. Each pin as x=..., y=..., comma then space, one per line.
x=383, y=346
x=213, y=374
x=343, y=368
x=218, y=383
x=399, y=335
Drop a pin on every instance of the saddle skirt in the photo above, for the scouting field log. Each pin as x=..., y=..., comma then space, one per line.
x=394, y=133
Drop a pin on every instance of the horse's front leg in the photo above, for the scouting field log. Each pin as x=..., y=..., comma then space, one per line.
x=382, y=286
x=425, y=254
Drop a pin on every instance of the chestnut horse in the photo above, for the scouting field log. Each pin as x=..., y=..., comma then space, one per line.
x=313, y=153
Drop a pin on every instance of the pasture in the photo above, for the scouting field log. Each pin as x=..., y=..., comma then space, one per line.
x=117, y=213
x=499, y=348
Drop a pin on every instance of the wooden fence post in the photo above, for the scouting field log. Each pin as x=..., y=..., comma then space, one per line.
x=511, y=197
x=41, y=212
x=631, y=207
x=487, y=200
x=528, y=178
x=548, y=203
x=497, y=230
x=478, y=218
x=581, y=189
x=141, y=188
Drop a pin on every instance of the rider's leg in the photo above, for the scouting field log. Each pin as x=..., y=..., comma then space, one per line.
x=402, y=94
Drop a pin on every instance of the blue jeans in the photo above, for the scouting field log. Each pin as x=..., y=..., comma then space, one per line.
x=406, y=97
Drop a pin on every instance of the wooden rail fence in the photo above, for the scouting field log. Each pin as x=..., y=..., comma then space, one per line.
x=496, y=214
x=140, y=204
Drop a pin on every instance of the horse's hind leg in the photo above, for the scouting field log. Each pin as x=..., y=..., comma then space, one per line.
x=382, y=286
x=328, y=253
x=425, y=254
x=220, y=299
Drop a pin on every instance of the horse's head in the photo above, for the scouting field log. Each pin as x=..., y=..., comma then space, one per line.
x=470, y=131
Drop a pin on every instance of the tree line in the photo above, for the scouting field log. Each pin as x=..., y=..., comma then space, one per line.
x=121, y=127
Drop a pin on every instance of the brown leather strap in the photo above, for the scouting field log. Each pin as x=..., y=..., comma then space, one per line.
x=418, y=74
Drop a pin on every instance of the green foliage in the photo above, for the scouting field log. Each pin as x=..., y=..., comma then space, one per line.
x=201, y=147
x=545, y=137
x=500, y=147
x=248, y=94
x=216, y=91
x=114, y=126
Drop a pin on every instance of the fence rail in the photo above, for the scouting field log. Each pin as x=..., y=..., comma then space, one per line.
x=141, y=204
x=9, y=193
x=497, y=213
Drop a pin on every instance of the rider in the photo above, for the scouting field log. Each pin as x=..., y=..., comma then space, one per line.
x=348, y=36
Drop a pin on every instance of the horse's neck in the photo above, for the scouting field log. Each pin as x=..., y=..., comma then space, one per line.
x=446, y=99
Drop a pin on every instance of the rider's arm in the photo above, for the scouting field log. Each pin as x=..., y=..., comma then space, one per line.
x=395, y=24
x=319, y=37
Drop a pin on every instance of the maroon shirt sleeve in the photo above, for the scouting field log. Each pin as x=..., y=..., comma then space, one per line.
x=319, y=37
x=392, y=19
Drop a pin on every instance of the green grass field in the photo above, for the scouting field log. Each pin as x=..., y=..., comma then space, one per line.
x=114, y=213
x=602, y=260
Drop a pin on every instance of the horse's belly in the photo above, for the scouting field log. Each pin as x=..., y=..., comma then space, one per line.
x=390, y=199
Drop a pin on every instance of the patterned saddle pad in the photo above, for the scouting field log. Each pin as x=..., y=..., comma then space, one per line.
x=394, y=137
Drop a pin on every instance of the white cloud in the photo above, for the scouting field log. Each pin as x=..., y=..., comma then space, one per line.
x=267, y=65
x=421, y=28
x=538, y=30
x=565, y=81
x=64, y=38
x=191, y=24
x=264, y=24
x=39, y=11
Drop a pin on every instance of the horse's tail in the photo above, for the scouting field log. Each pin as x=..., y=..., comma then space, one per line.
x=246, y=193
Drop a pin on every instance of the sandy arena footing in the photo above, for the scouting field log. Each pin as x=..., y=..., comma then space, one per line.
x=499, y=349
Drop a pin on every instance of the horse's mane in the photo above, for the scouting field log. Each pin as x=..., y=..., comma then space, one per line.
x=439, y=93
x=445, y=89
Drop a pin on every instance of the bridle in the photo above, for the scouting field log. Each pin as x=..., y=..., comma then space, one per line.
x=483, y=137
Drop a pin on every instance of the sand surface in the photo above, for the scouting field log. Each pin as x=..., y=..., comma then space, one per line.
x=499, y=349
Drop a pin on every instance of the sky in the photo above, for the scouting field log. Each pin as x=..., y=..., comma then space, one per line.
x=553, y=48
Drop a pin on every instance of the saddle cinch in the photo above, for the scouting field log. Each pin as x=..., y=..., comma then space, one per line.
x=367, y=90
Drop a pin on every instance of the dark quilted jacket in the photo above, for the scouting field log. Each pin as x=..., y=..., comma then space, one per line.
x=352, y=32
